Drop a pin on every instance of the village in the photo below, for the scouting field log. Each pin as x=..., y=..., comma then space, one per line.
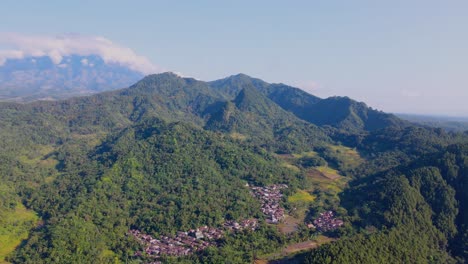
x=326, y=222
x=194, y=240
x=247, y=224
x=270, y=198
x=186, y=243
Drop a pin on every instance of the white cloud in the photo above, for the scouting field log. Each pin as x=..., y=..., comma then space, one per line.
x=10, y=54
x=57, y=47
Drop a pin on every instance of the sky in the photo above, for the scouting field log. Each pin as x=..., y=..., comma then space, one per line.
x=398, y=56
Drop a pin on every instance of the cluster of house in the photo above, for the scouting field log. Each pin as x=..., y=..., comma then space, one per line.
x=247, y=224
x=186, y=243
x=326, y=222
x=270, y=198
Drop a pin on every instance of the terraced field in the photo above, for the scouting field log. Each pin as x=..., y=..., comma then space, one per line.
x=348, y=156
x=328, y=183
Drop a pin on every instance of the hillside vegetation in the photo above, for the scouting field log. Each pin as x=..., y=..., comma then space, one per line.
x=171, y=154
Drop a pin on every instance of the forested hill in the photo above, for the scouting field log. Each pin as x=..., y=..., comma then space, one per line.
x=339, y=112
x=252, y=116
x=165, y=95
x=154, y=176
x=411, y=214
x=173, y=98
x=171, y=154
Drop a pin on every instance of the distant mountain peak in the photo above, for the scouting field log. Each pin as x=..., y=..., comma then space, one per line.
x=163, y=75
x=238, y=75
x=33, y=78
x=241, y=78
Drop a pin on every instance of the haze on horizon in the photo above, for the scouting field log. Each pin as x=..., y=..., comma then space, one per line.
x=399, y=56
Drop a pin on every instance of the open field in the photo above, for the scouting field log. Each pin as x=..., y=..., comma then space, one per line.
x=289, y=225
x=301, y=196
x=292, y=249
x=38, y=156
x=305, y=154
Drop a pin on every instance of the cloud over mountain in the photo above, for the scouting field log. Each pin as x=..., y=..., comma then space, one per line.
x=19, y=46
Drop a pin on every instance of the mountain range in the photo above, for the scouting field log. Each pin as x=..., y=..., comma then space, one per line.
x=169, y=154
x=39, y=78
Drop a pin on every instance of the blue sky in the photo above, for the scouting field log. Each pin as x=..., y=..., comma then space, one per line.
x=398, y=56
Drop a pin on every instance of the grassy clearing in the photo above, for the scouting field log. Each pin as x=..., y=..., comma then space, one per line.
x=326, y=184
x=347, y=155
x=321, y=189
x=284, y=256
x=36, y=156
x=40, y=157
x=307, y=245
x=291, y=167
x=301, y=196
x=327, y=192
x=323, y=178
x=327, y=170
x=14, y=228
x=325, y=187
x=289, y=225
x=91, y=140
x=48, y=163
x=331, y=187
x=305, y=154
